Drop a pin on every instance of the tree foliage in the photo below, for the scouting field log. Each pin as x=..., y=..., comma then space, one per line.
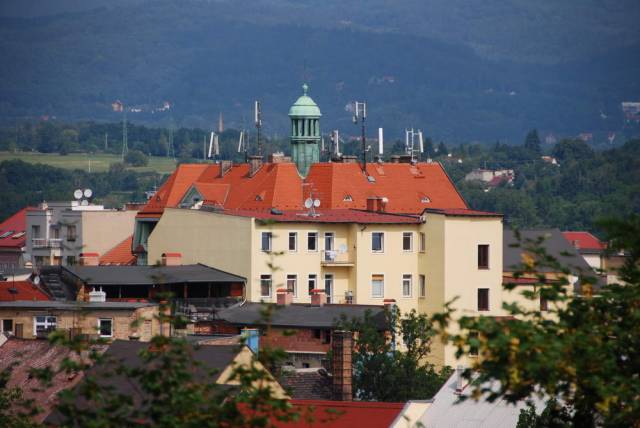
x=391, y=366
x=584, y=353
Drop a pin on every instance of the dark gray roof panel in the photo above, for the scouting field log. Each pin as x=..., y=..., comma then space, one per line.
x=301, y=315
x=149, y=275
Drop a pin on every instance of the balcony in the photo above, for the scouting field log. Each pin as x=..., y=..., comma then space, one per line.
x=333, y=258
x=46, y=243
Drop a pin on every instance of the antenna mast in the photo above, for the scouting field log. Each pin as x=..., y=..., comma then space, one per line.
x=258, y=122
x=360, y=113
x=409, y=142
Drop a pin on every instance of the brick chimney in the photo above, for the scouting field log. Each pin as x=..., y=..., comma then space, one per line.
x=318, y=297
x=89, y=259
x=284, y=296
x=377, y=203
x=171, y=259
x=342, y=349
x=349, y=159
x=225, y=166
x=279, y=157
x=255, y=163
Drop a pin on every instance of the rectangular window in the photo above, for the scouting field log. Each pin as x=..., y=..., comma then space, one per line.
x=293, y=241
x=105, y=327
x=377, y=242
x=483, y=299
x=423, y=286
x=483, y=257
x=407, y=285
x=54, y=232
x=407, y=241
x=71, y=233
x=43, y=324
x=7, y=326
x=265, y=285
x=292, y=284
x=312, y=241
x=71, y=260
x=35, y=231
x=473, y=343
x=377, y=285
x=266, y=241
x=423, y=242
x=312, y=282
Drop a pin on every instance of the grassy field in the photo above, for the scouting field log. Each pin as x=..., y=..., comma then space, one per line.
x=96, y=162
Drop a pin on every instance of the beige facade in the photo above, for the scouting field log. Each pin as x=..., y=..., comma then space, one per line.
x=25, y=320
x=351, y=267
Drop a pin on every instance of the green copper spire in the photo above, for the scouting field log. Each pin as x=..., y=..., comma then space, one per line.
x=305, y=132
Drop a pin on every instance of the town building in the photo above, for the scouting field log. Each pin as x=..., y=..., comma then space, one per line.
x=603, y=262
x=13, y=241
x=492, y=177
x=59, y=232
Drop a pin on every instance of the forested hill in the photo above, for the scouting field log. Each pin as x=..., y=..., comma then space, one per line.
x=208, y=57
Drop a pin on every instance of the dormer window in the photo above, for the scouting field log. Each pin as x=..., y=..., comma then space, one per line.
x=259, y=198
x=425, y=199
x=347, y=198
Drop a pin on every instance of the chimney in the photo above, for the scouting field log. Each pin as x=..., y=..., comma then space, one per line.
x=395, y=159
x=349, y=159
x=318, y=297
x=89, y=259
x=342, y=348
x=171, y=259
x=279, y=157
x=255, y=163
x=97, y=296
x=576, y=244
x=377, y=203
x=225, y=166
x=284, y=296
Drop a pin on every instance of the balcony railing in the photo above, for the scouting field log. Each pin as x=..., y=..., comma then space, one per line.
x=46, y=243
x=336, y=258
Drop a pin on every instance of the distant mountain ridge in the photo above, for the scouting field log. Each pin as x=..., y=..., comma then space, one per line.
x=206, y=57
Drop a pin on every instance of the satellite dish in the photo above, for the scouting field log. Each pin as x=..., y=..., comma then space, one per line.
x=36, y=280
x=316, y=203
x=84, y=202
x=308, y=203
x=88, y=193
x=77, y=194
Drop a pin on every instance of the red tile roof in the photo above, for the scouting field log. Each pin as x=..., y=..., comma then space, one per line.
x=409, y=188
x=343, y=414
x=328, y=216
x=584, y=241
x=21, y=291
x=120, y=255
x=15, y=224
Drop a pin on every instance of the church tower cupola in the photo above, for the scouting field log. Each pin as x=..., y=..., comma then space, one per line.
x=305, y=132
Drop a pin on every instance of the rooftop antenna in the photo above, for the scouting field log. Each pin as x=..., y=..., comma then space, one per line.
x=220, y=123
x=360, y=113
x=242, y=145
x=214, y=147
x=380, y=141
x=335, y=142
x=410, y=142
x=258, y=121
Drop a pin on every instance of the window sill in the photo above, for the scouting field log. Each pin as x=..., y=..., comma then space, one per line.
x=483, y=268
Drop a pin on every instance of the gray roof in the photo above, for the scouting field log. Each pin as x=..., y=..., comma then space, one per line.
x=300, y=315
x=555, y=245
x=66, y=305
x=446, y=411
x=149, y=275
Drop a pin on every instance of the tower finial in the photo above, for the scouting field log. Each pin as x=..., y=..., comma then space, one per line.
x=305, y=88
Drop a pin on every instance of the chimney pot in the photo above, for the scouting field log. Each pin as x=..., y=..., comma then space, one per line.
x=225, y=166
x=284, y=296
x=89, y=259
x=171, y=259
x=318, y=297
x=255, y=163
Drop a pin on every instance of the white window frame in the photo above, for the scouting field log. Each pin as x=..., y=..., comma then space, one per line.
x=317, y=243
x=100, y=329
x=371, y=283
x=423, y=242
x=381, y=250
x=315, y=282
x=404, y=275
x=410, y=250
x=295, y=236
x=270, y=285
x=262, y=234
x=295, y=283
x=422, y=284
x=47, y=323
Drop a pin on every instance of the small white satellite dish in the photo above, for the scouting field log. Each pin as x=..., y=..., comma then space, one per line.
x=316, y=203
x=308, y=203
x=84, y=202
x=77, y=194
x=36, y=280
x=88, y=193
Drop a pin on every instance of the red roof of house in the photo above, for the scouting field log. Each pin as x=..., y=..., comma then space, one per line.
x=11, y=291
x=120, y=255
x=15, y=224
x=328, y=216
x=343, y=414
x=584, y=241
x=409, y=188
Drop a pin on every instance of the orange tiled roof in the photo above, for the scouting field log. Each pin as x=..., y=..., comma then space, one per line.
x=120, y=254
x=16, y=225
x=21, y=290
x=584, y=241
x=409, y=188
